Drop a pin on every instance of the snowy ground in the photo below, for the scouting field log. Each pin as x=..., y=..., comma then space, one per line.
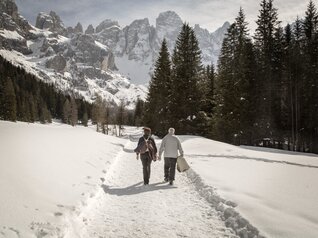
x=277, y=191
x=48, y=172
x=60, y=181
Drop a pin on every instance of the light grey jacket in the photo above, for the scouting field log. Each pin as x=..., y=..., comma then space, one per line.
x=170, y=145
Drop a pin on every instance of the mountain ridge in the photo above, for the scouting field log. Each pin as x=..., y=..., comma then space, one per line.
x=137, y=45
x=112, y=61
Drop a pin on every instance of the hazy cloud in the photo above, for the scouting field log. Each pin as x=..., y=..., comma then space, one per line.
x=210, y=14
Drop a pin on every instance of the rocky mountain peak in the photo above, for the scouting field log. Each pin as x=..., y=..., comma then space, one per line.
x=106, y=25
x=107, y=32
x=78, y=28
x=90, y=30
x=14, y=29
x=219, y=34
x=51, y=22
x=168, y=18
x=9, y=7
x=140, y=24
x=168, y=25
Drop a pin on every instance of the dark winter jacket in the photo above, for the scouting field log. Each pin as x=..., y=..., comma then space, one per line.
x=153, y=149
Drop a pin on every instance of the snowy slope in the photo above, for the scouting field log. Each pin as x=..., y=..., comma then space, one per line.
x=275, y=190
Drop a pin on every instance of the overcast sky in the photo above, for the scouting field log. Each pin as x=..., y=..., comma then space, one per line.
x=210, y=14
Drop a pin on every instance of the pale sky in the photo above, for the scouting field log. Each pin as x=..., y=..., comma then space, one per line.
x=210, y=14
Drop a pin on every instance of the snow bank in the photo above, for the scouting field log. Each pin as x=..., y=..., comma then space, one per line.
x=48, y=172
x=276, y=191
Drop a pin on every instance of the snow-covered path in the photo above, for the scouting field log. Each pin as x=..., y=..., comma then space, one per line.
x=124, y=207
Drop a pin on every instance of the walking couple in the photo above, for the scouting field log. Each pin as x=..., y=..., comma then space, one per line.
x=147, y=150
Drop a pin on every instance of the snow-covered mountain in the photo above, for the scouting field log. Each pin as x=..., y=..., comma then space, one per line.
x=73, y=61
x=136, y=46
x=109, y=60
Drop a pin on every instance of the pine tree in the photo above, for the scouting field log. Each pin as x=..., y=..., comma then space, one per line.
x=208, y=90
x=120, y=118
x=203, y=120
x=296, y=84
x=278, y=99
x=85, y=119
x=156, y=113
x=1, y=91
x=186, y=75
x=139, y=112
x=287, y=90
x=44, y=113
x=73, y=112
x=33, y=110
x=235, y=95
x=9, y=104
x=310, y=94
x=67, y=112
x=267, y=25
x=97, y=112
x=105, y=116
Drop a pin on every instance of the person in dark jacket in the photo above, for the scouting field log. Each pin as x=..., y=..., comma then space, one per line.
x=148, y=152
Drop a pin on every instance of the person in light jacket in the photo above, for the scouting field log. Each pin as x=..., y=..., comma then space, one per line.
x=170, y=145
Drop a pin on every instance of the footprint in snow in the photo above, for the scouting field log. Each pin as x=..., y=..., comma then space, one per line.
x=58, y=214
x=45, y=229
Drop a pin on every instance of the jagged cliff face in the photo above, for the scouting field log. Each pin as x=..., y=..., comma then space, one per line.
x=136, y=46
x=14, y=28
x=75, y=62
x=51, y=22
x=168, y=25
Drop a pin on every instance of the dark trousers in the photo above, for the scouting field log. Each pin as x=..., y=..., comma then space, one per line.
x=170, y=168
x=146, y=164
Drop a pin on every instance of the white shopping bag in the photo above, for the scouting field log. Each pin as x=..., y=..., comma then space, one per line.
x=182, y=164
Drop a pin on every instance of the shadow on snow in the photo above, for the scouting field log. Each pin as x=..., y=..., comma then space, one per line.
x=254, y=159
x=136, y=189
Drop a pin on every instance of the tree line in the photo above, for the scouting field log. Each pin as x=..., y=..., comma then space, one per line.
x=23, y=97
x=263, y=92
x=104, y=115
